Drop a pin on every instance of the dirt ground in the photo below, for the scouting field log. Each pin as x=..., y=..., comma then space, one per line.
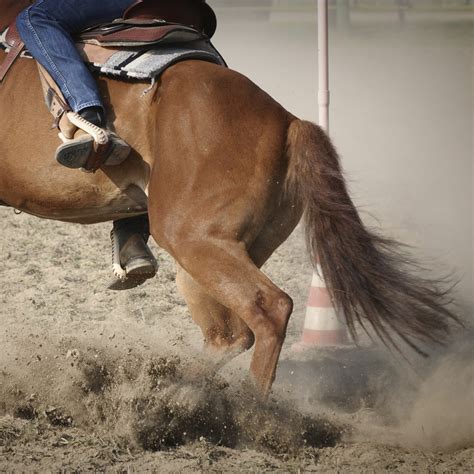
x=92, y=380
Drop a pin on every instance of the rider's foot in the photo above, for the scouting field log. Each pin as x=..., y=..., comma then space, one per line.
x=134, y=257
x=94, y=115
x=75, y=153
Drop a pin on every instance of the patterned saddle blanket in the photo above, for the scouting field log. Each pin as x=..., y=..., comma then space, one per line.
x=143, y=61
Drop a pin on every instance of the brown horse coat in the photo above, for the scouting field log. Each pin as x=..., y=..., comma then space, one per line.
x=228, y=173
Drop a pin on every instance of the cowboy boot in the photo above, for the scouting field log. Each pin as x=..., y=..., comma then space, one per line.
x=131, y=254
x=75, y=152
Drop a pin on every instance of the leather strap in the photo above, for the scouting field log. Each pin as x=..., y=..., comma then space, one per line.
x=13, y=36
x=140, y=34
x=56, y=103
x=97, y=157
x=14, y=52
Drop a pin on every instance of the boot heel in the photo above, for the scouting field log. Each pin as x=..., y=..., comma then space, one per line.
x=119, y=151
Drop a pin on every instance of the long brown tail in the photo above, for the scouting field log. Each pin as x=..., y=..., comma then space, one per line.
x=368, y=277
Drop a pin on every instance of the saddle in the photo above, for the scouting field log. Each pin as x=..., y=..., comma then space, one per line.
x=145, y=23
x=10, y=9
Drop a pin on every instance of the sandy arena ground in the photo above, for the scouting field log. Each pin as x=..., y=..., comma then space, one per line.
x=92, y=380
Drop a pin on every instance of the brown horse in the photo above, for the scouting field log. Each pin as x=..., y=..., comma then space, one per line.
x=228, y=174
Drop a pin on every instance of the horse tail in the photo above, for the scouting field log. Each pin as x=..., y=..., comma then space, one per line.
x=369, y=278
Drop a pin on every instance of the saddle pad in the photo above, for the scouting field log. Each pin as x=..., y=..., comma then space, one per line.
x=149, y=64
x=144, y=63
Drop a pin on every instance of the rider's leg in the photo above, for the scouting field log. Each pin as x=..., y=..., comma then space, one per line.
x=46, y=29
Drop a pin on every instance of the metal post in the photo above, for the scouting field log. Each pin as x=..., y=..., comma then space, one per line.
x=323, y=61
x=322, y=326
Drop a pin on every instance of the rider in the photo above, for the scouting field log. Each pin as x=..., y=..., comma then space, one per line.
x=46, y=28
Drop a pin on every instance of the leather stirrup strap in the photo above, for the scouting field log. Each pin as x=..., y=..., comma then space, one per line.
x=52, y=94
x=14, y=52
x=56, y=103
x=97, y=157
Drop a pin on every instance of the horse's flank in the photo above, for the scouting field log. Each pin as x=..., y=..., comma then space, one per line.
x=31, y=180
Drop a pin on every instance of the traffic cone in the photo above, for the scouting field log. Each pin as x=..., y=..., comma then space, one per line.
x=322, y=325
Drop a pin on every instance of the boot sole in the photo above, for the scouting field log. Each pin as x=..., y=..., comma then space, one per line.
x=119, y=152
x=139, y=270
x=75, y=154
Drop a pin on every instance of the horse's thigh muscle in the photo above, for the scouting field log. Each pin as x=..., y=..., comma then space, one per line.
x=276, y=230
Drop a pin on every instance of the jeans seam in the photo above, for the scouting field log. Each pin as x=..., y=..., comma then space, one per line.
x=29, y=25
x=91, y=104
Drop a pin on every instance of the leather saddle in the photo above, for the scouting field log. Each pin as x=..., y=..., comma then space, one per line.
x=144, y=23
x=9, y=9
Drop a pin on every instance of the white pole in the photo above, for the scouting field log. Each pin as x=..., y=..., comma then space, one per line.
x=323, y=65
x=322, y=326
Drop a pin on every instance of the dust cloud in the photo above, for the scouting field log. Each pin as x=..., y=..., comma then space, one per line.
x=411, y=403
x=442, y=414
x=144, y=399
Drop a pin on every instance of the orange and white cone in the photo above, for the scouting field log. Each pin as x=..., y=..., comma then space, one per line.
x=322, y=325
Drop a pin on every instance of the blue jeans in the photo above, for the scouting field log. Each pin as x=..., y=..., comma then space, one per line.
x=47, y=27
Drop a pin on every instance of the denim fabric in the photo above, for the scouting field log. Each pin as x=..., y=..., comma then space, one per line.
x=46, y=28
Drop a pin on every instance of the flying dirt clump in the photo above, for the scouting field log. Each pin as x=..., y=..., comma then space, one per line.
x=180, y=409
x=150, y=401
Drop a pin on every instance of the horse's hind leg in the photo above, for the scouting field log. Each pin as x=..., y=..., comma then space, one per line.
x=226, y=273
x=225, y=334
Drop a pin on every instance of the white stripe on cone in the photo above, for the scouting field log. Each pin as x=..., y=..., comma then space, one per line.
x=322, y=326
x=321, y=319
x=318, y=280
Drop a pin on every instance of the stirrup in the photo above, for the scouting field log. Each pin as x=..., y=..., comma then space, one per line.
x=99, y=147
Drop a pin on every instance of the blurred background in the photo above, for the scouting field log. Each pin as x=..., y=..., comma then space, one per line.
x=401, y=114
